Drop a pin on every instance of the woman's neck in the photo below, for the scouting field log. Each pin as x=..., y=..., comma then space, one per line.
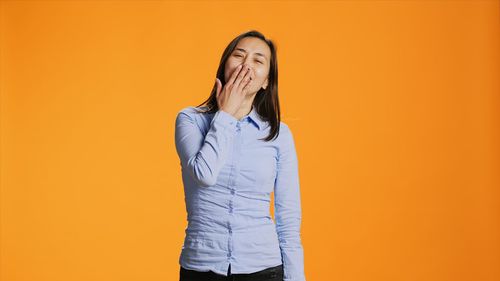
x=244, y=110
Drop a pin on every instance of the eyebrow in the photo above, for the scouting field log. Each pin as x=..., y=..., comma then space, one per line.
x=244, y=51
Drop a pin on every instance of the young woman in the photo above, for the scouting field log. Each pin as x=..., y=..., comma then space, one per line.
x=234, y=152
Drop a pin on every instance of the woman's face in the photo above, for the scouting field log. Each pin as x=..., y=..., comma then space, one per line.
x=255, y=53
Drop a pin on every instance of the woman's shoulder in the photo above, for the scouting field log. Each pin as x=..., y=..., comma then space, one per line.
x=285, y=129
x=195, y=115
x=285, y=136
x=193, y=111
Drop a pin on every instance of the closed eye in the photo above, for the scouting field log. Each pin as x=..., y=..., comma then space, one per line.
x=239, y=56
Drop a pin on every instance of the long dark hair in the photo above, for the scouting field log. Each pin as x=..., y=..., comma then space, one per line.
x=266, y=101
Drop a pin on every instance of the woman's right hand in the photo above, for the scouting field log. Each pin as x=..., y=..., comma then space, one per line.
x=232, y=95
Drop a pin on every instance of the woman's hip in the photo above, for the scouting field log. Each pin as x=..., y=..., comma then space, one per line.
x=274, y=273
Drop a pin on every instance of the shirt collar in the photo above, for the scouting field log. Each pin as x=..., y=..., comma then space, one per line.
x=256, y=119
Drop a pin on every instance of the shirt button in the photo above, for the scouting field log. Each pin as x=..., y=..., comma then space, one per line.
x=232, y=191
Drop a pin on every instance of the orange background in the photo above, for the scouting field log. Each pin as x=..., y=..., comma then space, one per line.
x=394, y=107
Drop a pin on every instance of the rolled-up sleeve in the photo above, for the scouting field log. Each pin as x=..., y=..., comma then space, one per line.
x=287, y=207
x=204, y=155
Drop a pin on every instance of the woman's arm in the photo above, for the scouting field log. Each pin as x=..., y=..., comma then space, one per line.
x=204, y=156
x=287, y=207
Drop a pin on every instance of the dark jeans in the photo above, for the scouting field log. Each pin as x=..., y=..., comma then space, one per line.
x=274, y=273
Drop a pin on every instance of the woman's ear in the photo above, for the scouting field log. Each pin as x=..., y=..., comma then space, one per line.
x=265, y=83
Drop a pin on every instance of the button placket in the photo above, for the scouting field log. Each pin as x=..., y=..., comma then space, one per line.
x=230, y=240
x=236, y=166
x=232, y=183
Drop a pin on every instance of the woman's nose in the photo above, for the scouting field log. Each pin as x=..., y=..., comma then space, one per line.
x=247, y=62
x=246, y=65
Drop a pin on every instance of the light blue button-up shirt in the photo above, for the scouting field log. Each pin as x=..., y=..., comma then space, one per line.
x=228, y=176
